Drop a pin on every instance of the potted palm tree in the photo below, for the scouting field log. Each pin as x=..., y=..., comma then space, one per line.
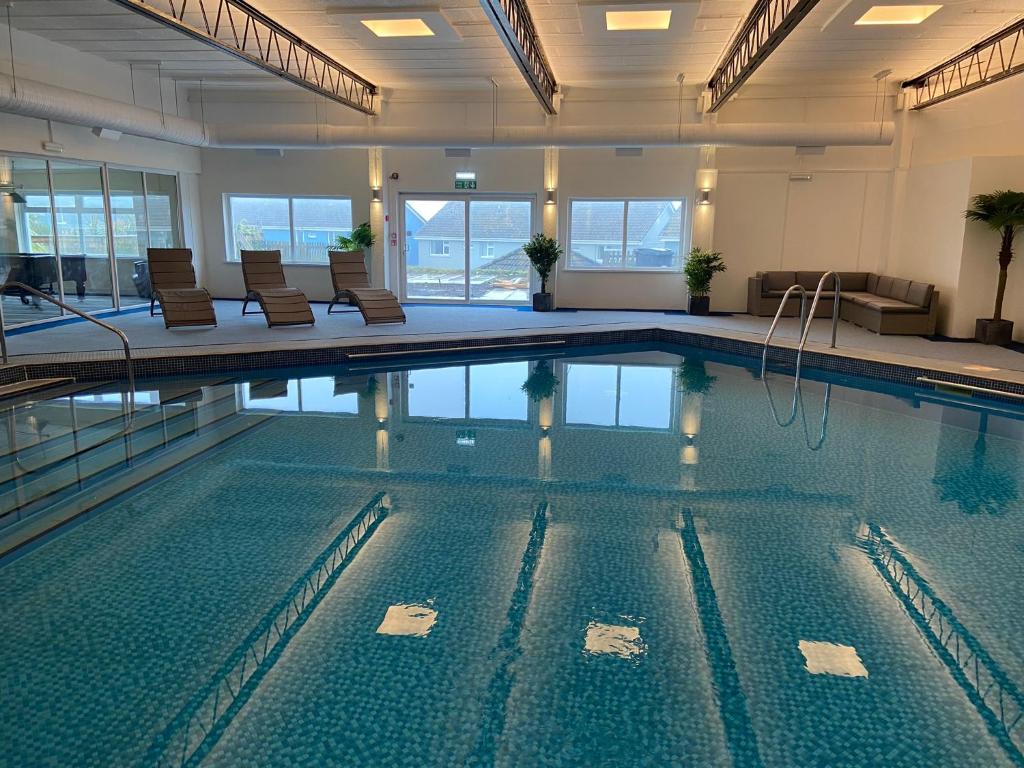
x=361, y=239
x=701, y=266
x=1002, y=211
x=543, y=252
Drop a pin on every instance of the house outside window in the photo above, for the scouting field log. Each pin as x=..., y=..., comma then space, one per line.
x=641, y=235
x=303, y=229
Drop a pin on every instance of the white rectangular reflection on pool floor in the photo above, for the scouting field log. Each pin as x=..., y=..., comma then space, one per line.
x=614, y=640
x=409, y=619
x=832, y=659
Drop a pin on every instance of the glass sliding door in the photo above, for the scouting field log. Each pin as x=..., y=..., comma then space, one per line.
x=498, y=268
x=435, y=249
x=465, y=249
x=27, y=253
x=162, y=207
x=82, y=234
x=131, y=234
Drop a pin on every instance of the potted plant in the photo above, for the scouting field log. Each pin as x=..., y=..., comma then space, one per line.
x=1002, y=211
x=361, y=239
x=700, y=267
x=543, y=252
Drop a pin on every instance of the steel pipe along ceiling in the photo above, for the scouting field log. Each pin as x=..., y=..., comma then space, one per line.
x=47, y=102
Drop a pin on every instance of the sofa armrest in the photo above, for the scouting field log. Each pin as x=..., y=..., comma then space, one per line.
x=755, y=290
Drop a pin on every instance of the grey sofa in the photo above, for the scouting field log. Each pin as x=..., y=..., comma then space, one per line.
x=880, y=303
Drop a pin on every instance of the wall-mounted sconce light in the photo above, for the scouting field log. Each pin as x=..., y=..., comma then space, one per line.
x=376, y=195
x=705, y=197
x=549, y=197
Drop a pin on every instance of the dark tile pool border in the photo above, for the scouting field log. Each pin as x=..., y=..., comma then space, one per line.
x=233, y=362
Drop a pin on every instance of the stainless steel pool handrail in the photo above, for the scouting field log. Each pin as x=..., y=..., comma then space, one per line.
x=805, y=319
x=778, y=316
x=129, y=365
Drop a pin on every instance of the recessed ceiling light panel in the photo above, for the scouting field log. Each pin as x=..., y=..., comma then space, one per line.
x=636, y=21
x=398, y=27
x=896, y=14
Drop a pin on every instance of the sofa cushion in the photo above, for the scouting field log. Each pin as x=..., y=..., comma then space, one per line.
x=851, y=281
x=884, y=287
x=778, y=281
x=886, y=306
x=809, y=280
x=858, y=297
x=899, y=289
x=920, y=294
x=871, y=284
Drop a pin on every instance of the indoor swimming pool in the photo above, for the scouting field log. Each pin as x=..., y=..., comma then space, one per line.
x=639, y=556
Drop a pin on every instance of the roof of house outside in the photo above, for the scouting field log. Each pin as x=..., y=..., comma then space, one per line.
x=509, y=221
x=310, y=213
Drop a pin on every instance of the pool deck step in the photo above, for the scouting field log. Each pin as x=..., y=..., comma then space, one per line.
x=8, y=391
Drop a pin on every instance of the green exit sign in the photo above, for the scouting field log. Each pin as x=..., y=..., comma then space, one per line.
x=465, y=183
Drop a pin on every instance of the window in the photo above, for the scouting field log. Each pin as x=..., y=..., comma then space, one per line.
x=625, y=234
x=440, y=248
x=301, y=228
x=639, y=397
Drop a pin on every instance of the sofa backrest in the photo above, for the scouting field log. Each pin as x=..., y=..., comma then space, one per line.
x=920, y=294
x=776, y=281
x=910, y=291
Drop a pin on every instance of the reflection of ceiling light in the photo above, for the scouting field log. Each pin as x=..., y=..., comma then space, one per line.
x=398, y=27
x=897, y=14
x=624, y=21
x=832, y=659
x=614, y=640
x=409, y=619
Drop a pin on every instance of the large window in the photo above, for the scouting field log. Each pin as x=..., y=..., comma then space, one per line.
x=626, y=234
x=60, y=207
x=301, y=228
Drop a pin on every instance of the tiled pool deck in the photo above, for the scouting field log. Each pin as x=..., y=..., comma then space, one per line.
x=237, y=337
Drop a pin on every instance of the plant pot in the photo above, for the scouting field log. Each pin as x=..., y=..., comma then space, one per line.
x=699, y=305
x=543, y=302
x=993, y=331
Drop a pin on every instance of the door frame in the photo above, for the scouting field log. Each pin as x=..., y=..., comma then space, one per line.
x=466, y=199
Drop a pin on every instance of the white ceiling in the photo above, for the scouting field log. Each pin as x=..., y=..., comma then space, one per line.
x=826, y=48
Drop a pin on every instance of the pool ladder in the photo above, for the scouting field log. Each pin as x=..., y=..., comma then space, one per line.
x=805, y=325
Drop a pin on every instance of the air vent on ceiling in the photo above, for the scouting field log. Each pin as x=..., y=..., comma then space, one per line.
x=457, y=152
x=629, y=151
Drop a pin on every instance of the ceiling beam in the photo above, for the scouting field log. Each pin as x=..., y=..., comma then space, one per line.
x=767, y=25
x=238, y=29
x=995, y=58
x=514, y=24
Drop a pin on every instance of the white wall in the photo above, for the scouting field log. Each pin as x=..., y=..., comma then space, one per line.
x=930, y=232
x=661, y=172
x=341, y=172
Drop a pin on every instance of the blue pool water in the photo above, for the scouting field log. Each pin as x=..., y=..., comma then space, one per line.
x=644, y=558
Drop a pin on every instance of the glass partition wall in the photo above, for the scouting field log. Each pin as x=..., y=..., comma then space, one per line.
x=78, y=231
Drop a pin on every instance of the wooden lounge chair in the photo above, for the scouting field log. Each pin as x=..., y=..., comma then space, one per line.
x=352, y=285
x=173, y=282
x=265, y=284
